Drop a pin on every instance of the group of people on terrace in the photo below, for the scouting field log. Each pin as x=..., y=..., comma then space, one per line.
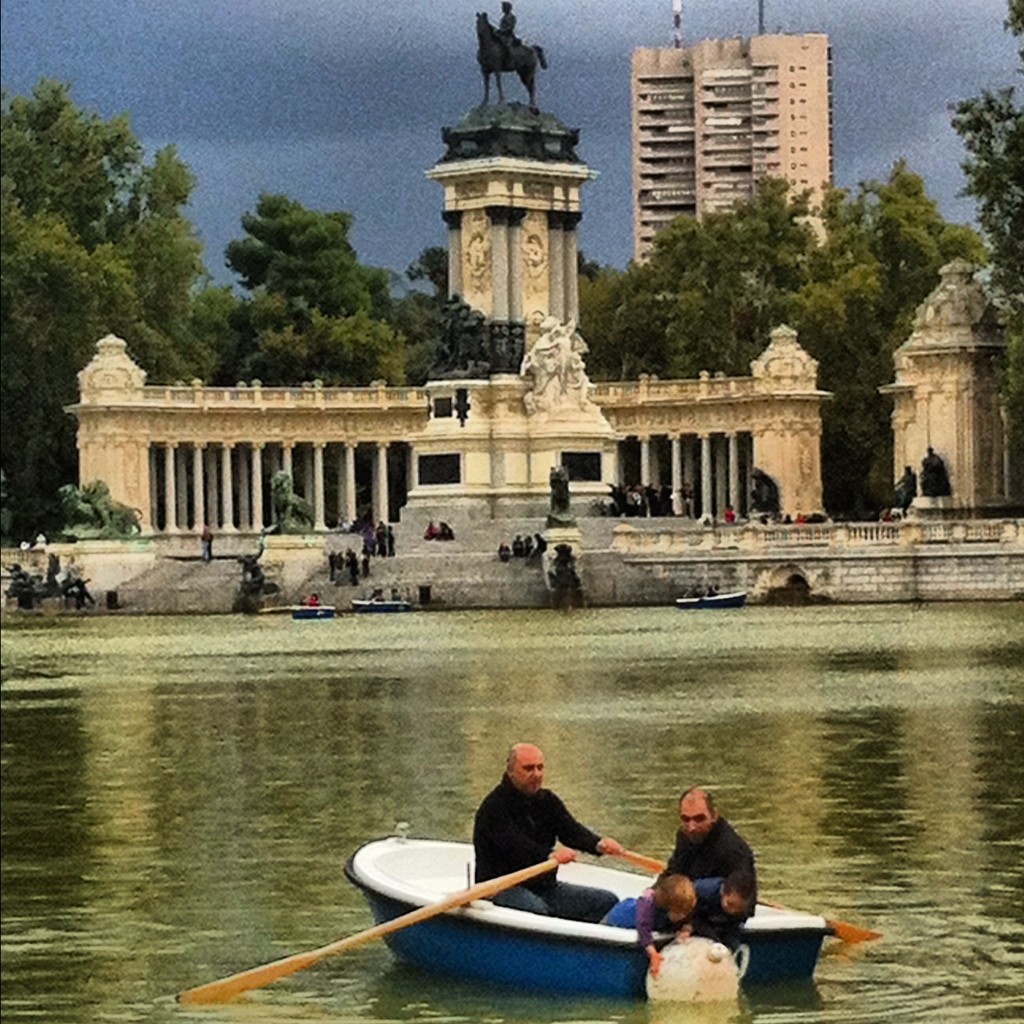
x=708, y=888
x=522, y=547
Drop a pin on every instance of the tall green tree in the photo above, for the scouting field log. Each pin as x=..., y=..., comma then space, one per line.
x=314, y=312
x=93, y=241
x=880, y=257
x=992, y=128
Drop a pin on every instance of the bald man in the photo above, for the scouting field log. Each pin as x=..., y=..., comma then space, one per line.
x=518, y=824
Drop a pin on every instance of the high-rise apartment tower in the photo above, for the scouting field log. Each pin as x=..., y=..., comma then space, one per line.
x=710, y=120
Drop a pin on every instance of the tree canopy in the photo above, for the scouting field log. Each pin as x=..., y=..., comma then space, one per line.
x=313, y=312
x=93, y=241
x=847, y=277
x=992, y=127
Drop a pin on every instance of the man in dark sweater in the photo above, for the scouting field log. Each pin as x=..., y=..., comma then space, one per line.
x=518, y=824
x=707, y=846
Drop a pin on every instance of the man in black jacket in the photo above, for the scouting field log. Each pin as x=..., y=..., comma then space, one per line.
x=517, y=826
x=707, y=846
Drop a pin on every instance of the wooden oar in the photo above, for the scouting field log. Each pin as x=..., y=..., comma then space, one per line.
x=842, y=930
x=257, y=977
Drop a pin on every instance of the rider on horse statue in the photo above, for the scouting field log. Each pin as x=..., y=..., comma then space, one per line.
x=507, y=28
x=500, y=49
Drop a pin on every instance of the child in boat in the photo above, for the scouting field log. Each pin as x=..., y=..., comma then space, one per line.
x=723, y=904
x=670, y=902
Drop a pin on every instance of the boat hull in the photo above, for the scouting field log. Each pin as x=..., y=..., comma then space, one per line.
x=733, y=600
x=319, y=612
x=381, y=607
x=468, y=949
x=511, y=948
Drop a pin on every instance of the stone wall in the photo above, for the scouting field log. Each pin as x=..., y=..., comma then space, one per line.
x=649, y=563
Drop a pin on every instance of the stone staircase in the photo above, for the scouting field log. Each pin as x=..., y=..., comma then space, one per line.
x=464, y=573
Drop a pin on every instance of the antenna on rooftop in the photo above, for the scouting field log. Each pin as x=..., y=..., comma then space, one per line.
x=760, y=17
x=677, y=19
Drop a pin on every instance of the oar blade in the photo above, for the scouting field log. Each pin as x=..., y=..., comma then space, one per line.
x=846, y=932
x=225, y=989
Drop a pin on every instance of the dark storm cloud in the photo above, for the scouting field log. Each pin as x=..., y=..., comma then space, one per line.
x=340, y=103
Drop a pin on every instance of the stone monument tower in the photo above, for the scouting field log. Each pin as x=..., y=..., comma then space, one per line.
x=946, y=397
x=509, y=395
x=512, y=181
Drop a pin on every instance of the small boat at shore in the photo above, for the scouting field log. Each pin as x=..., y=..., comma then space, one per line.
x=509, y=947
x=313, y=611
x=381, y=604
x=733, y=599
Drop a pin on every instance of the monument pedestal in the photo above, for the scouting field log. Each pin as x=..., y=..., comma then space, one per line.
x=932, y=508
x=556, y=536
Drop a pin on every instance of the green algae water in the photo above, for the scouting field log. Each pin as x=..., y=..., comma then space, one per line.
x=180, y=795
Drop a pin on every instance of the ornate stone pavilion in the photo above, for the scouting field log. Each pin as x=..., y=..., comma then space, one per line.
x=946, y=395
x=508, y=400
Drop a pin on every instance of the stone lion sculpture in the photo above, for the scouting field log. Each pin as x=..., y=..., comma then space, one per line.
x=90, y=513
x=292, y=512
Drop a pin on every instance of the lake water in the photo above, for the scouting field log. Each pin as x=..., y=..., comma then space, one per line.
x=180, y=794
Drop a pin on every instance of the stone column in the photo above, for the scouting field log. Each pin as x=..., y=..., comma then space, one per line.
x=257, y=487
x=170, y=499
x=721, y=475
x=453, y=218
x=380, y=482
x=228, y=482
x=198, y=504
x=307, y=474
x=212, y=493
x=339, y=497
x=690, y=473
x=645, y=461
x=498, y=217
x=244, y=489
x=570, y=265
x=181, y=472
x=318, y=487
x=286, y=461
x=350, y=482
x=154, y=493
x=516, y=313
x=677, y=498
x=611, y=476
x=556, y=265
x=734, y=472
x=706, y=497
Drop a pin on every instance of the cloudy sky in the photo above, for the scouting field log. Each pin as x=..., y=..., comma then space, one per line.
x=340, y=103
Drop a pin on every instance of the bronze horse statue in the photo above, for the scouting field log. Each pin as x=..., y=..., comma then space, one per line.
x=493, y=58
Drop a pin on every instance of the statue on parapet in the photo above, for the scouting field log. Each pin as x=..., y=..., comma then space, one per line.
x=500, y=49
x=906, y=490
x=764, y=494
x=560, y=514
x=292, y=512
x=934, y=477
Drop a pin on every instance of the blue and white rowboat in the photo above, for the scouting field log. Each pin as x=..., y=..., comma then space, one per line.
x=511, y=947
x=313, y=611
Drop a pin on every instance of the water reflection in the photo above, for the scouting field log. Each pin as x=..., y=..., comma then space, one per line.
x=179, y=795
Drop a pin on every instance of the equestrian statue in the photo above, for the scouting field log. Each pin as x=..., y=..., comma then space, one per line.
x=500, y=49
